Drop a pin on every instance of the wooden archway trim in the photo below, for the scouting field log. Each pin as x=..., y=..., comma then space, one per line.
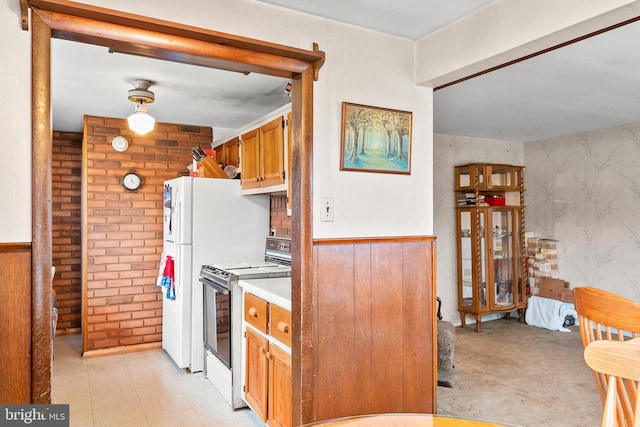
x=154, y=38
x=225, y=51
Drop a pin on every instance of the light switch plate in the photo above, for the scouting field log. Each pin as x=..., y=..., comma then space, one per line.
x=326, y=209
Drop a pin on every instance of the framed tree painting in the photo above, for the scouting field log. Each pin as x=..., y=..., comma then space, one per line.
x=375, y=139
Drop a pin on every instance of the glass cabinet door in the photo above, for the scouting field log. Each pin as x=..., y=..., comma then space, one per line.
x=505, y=255
x=467, y=268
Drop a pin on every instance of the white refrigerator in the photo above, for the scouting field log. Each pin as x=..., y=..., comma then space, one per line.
x=206, y=221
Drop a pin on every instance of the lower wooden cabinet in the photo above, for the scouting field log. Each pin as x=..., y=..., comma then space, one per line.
x=279, y=398
x=256, y=379
x=267, y=376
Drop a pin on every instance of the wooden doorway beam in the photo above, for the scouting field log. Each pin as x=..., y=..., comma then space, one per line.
x=174, y=42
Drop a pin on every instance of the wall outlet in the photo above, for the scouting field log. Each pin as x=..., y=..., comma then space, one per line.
x=326, y=209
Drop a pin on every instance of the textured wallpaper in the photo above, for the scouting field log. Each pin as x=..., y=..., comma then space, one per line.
x=582, y=189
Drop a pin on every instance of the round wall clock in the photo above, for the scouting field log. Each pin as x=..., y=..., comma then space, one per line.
x=120, y=143
x=131, y=181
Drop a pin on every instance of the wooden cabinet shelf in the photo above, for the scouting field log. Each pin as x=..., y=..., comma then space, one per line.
x=490, y=240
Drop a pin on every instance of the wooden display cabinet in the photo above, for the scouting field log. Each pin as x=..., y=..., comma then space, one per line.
x=490, y=240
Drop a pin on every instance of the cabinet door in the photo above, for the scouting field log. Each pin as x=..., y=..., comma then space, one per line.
x=256, y=382
x=472, y=260
x=220, y=155
x=504, y=254
x=279, y=387
x=250, y=158
x=232, y=152
x=272, y=135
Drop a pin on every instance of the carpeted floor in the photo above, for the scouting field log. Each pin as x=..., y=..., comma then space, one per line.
x=520, y=375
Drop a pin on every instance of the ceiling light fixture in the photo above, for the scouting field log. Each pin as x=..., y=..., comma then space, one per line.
x=140, y=121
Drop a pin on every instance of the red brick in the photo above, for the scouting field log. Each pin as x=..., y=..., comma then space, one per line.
x=153, y=321
x=115, y=317
x=139, y=323
x=106, y=293
x=106, y=309
x=97, y=345
x=132, y=340
x=106, y=326
x=119, y=300
x=143, y=314
x=144, y=330
x=153, y=338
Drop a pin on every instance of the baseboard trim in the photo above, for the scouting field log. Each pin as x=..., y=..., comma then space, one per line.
x=121, y=350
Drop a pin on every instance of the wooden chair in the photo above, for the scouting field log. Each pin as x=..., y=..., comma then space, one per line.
x=619, y=361
x=603, y=315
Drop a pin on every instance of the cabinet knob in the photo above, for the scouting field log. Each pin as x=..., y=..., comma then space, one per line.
x=283, y=327
x=253, y=312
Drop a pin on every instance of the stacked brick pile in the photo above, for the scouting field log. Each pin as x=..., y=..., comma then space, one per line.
x=542, y=261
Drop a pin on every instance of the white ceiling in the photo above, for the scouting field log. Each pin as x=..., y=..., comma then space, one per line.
x=87, y=79
x=587, y=85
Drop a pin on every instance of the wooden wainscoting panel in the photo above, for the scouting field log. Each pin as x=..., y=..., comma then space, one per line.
x=363, y=323
x=420, y=340
x=15, y=318
x=387, y=327
x=335, y=352
x=373, y=326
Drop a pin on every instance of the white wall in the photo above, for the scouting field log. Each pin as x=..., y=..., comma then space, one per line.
x=584, y=190
x=361, y=66
x=15, y=126
x=449, y=151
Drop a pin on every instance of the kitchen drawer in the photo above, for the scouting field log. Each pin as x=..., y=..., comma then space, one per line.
x=255, y=312
x=280, y=324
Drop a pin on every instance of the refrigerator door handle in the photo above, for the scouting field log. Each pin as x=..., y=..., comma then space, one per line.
x=178, y=278
x=177, y=236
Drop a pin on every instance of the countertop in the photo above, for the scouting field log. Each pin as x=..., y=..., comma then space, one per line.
x=274, y=290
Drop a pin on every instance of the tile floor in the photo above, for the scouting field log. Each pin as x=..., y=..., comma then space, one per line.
x=136, y=389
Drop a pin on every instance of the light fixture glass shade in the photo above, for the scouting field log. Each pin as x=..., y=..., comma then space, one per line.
x=140, y=121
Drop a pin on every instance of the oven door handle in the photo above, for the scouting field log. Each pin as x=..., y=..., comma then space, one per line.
x=217, y=287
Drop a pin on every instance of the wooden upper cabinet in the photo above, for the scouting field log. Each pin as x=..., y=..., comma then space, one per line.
x=273, y=152
x=232, y=152
x=220, y=155
x=228, y=153
x=262, y=155
x=250, y=159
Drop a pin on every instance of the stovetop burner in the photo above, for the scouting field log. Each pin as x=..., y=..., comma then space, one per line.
x=244, y=265
x=277, y=264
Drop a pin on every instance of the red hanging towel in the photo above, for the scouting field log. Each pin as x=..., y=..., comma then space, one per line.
x=168, y=278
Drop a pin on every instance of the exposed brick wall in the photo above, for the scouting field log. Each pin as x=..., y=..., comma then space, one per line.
x=125, y=229
x=280, y=221
x=66, y=228
x=124, y=305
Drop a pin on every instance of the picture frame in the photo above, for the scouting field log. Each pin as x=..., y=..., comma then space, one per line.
x=375, y=139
